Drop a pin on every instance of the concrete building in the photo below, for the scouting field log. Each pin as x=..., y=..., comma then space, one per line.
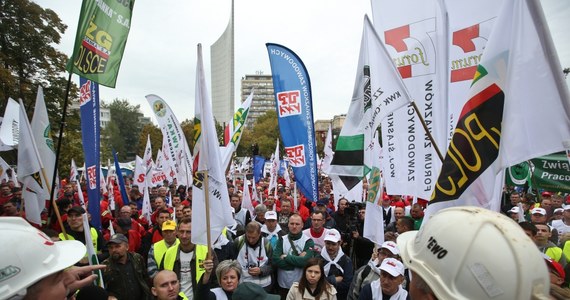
x=104, y=113
x=263, y=98
x=222, y=64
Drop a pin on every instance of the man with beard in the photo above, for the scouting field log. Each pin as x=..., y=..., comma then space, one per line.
x=125, y=276
x=254, y=257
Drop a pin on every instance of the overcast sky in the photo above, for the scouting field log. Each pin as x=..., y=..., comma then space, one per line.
x=160, y=56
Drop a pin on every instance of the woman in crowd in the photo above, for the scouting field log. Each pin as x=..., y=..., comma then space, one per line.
x=313, y=284
x=228, y=273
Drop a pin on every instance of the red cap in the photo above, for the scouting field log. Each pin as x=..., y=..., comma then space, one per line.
x=556, y=267
x=399, y=204
x=546, y=194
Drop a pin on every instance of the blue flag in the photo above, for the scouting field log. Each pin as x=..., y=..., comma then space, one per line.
x=89, y=108
x=120, y=179
x=293, y=101
x=258, y=164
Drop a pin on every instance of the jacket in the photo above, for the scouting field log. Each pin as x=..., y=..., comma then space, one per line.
x=295, y=294
x=116, y=282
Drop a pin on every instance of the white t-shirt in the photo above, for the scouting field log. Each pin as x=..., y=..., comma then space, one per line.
x=186, y=273
x=560, y=226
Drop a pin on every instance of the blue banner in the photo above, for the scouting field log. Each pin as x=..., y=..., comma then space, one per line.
x=89, y=108
x=120, y=179
x=294, y=105
x=283, y=164
x=258, y=164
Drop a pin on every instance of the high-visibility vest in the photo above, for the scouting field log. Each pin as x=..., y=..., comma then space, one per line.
x=200, y=253
x=94, y=237
x=160, y=248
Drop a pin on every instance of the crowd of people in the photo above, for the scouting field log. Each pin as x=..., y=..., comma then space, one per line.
x=290, y=248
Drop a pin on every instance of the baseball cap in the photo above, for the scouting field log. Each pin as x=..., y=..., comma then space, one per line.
x=539, y=210
x=38, y=257
x=271, y=215
x=332, y=235
x=566, y=207
x=393, y=247
x=546, y=194
x=76, y=209
x=118, y=238
x=169, y=225
x=393, y=266
x=559, y=210
x=556, y=267
x=514, y=209
x=252, y=291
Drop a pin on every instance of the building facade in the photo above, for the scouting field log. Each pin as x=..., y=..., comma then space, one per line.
x=263, y=98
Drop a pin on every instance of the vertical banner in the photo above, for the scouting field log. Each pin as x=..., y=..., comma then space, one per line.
x=100, y=40
x=233, y=131
x=175, y=147
x=90, y=134
x=120, y=179
x=293, y=101
x=414, y=40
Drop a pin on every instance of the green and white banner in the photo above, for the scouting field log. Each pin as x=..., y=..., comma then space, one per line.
x=550, y=172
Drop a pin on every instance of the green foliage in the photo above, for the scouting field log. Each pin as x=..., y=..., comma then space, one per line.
x=125, y=137
x=155, y=139
x=265, y=133
x=188, y=129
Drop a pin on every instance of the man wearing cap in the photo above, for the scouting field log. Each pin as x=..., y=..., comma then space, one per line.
x=514, y=213
x=125, y=276
x=558, y=290
x=158, y=249
x=338, y=266
x=271, y=230
x=451, y=258
x=74, y=231
x=254, y=256
x=538, y=216
x=389, y=286
x=371, y=272
x=563, y=225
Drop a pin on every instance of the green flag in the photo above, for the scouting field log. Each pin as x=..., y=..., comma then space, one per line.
x=100, y=41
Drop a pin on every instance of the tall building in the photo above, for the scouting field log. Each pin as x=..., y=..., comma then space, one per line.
x=222, y=64
x=263, y=98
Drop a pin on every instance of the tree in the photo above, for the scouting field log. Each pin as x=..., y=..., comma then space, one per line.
x=264, y=133
x=125, y=137
x=155, y=139
x=188, y=129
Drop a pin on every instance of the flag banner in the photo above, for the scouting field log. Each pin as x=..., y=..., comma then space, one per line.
x=342, y=191
x=110, y=183
x=30, y=169
x=162, y=168
x=139, y=172
x=4, y=167
x=147, y=163
x=328, y=150
x=549, y=172
x=294, y=105
x=416, y=42
x=120, y=178
x=41, y=129
x=208, y=158
x=374, y=217
x=246, y=201
x=378, y=91
x=176, y=148
x=90, y=135
x=467, y=36
x=233, y=131
x=100, y=40
x=10, y=124
x=274, y=170
x=258, y=165
x=519, y=72
x=146, y=208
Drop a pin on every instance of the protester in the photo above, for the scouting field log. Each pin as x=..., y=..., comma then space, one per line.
x=40, y=269
x=312, y=284
x=158, y=249
x=74, y=231
x=254, y=256
x=389, y=286
x=451, y=257
x=166, y=286
x=338, y=267
x=228, y=273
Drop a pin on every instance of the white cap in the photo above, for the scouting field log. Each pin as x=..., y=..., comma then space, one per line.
x=332, y=235
x=393, y=247
x=514, y=209
x=559, y=210
x=393, y=266
x=538, y=210
x=28, y=255
x=566, y=207
x=271, y=215
x=452, y=253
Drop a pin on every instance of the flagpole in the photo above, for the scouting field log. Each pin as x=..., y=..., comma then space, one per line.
x=207, y=202
x=58, y=151
x=427, y=130
x=57, y=213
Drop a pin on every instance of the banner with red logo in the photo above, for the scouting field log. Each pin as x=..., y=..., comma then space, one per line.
x=90, y=134
x=293, y=101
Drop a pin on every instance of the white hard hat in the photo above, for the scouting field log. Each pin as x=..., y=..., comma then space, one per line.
x=29, y=255
x=474, y=253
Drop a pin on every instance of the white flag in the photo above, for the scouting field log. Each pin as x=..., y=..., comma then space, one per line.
x=147, y=163
x=207, y=154
x=273, y=170
x=374, y=217
x=519, y=75
x=328, y=150
x=146, y=209
x=30, y=168
x=4, y=167
x=42, y=135
x=139, y=172
x=10, y=124
x=234, y=130
x=246, y=201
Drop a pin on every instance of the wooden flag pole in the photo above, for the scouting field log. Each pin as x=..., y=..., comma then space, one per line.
x=207, y=202
x=56, y=208
x=427, y=131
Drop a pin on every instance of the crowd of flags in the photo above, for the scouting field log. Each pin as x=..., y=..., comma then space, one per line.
x=469, y=76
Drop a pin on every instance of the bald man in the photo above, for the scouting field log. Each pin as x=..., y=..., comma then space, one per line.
x=166, y=286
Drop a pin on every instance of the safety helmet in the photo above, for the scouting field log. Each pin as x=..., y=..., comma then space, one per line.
x=474, y=253
x=28, y=255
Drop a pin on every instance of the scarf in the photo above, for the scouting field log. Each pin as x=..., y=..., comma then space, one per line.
x=375, y=265
x=330, y=261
